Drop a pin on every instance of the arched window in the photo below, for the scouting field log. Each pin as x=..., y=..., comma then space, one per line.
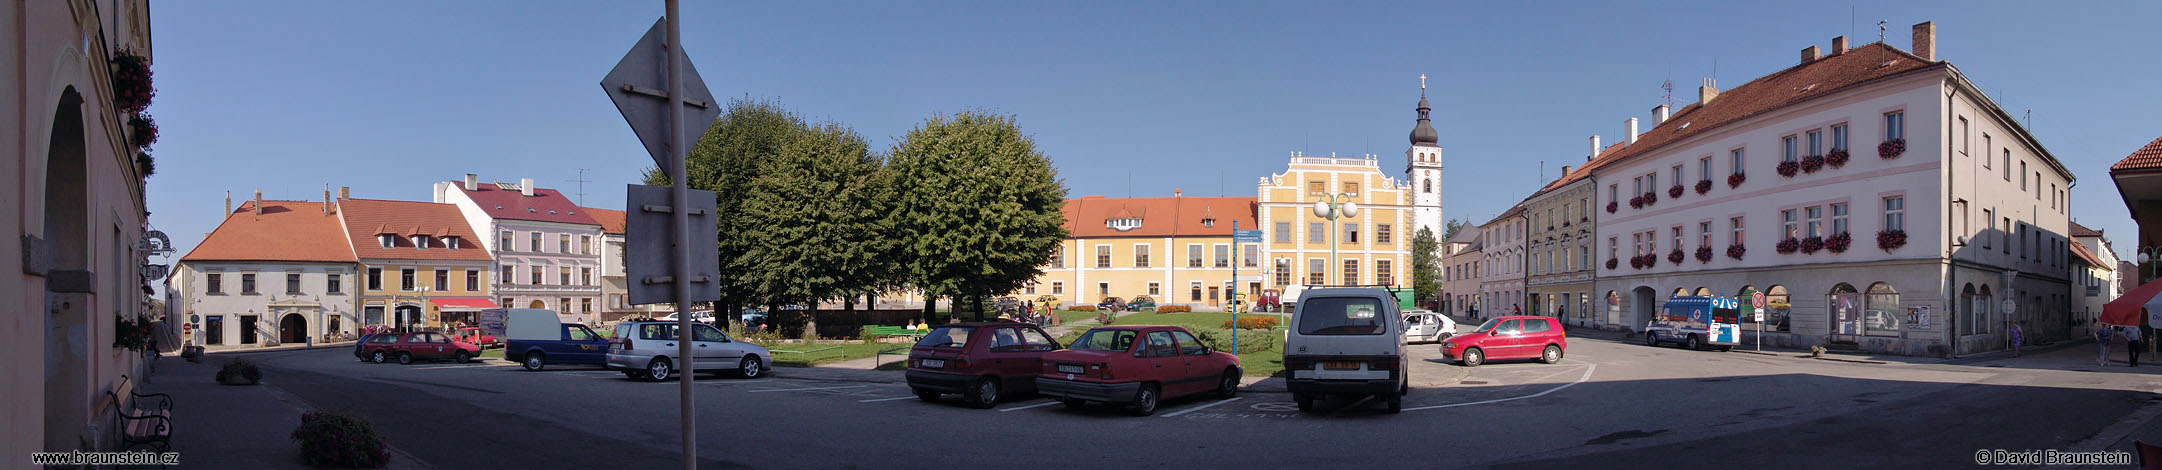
x=1748, y=310
x=1429, y=185
x=1613, y=307
x=1845, y=305
x=1983, y=302
x=1681, y=292
x=1882, y=315
x=1776, y=307
x=1969, y=310
x=1703, y=292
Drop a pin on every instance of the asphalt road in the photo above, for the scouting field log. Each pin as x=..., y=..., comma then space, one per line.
x=1609, y=404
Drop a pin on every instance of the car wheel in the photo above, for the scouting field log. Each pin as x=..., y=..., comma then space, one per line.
x=659, y=369
x=751, y=368
x=1473, y=358
x=535, y=361
x=1551, y=355
x=1305, y=401
x=1230, y=386
x=1145, y=400
x=405, y=358
x=460, y=357
x=926, y=395
x=1074, y=403
x=1396, y=403
x=1691, y=343
x=984, y=394
x=378, y=357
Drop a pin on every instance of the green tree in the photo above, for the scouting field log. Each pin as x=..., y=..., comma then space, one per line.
x=726, y=160
x=1426, y=265
x=1449, y=229
x=978, y=208
x=817, y=212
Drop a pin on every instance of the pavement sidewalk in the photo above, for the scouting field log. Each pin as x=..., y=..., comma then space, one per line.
x=235, y=426
x=282, y=347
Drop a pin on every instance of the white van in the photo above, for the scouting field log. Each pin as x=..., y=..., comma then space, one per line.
x=1347, y=341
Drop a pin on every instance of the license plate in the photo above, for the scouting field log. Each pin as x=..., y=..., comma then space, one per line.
x=1069, y=368
x=934, y=363
x=1340, y=365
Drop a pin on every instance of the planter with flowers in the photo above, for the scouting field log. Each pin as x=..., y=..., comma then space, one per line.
x=1735, y=180
x=1788, y=245
x=1704, y=186
x=1611, y=263
x=1636, y=262
x=1788, y=169
x=1891, y=149
x=142, y=130
x=1675, y=257
x=1812, y=244
x=1838, y=158
x=1812, y=163
x=1891, y=239
x=1704, y=254
x=1636, y=202
x=1650, y=197
x=1838, y=243
x=1611, y=206
x=1736, y=251
x=131, y=81
x=1675, y=192
x=131, y=333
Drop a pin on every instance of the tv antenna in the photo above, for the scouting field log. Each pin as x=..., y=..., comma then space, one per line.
x=1880, y=30
x=581, y=180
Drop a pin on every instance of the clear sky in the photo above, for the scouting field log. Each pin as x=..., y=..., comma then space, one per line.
x=1127, y=98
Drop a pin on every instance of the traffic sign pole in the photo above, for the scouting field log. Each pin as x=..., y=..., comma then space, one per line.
x=682, y=216
x=1235, y=245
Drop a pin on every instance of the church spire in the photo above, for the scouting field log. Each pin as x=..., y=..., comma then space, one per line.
x=1423, y=134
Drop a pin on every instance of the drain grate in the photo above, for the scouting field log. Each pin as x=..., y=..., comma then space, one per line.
x=1473, y=382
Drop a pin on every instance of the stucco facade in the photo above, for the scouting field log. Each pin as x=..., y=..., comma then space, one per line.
x=1371, y=248
x=1501, y=279
x=255, y=304
x=547, y=251
x=1559, y=270
x=1460, y=271
x=1176, y=250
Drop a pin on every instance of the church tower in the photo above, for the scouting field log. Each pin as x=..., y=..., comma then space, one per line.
x=1423, y=168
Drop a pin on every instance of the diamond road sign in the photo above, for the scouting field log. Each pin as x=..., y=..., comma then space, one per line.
x=649, y=254
x=639, y=87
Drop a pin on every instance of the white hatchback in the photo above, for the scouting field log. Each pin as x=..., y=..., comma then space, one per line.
x=1424, y=326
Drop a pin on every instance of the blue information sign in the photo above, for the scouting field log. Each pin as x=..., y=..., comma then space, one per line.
x=1246, y=236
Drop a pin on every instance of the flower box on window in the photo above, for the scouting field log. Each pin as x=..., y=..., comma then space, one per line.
x=1838, y=243
x=142, y=130
x=131, y=81
x=1736, y=179
x=1736, y=251
x=1675, y=257
x=1675, y=192
x=1611, y=206
x=1812, y=244
x=1812, y=163
x=1838, y=158
x=1611, y=263
x=1787, y=246
x=1891, y=149
x=1650, y=197
x=1636, y=202
x=1891, y=239
x=1704, y=254
x=1704, y=186
x=1788, y=169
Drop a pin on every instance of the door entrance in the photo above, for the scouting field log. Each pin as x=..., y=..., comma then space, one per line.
x=247, y=329
x=214, y=329
x=293, y=329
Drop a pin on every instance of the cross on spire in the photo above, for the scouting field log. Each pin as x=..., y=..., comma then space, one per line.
x=1422, y=82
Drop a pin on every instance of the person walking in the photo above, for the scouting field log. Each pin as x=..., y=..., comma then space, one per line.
x=2102, y=338
x=1516, y=309
x=2017, y=338
x=2132, y=345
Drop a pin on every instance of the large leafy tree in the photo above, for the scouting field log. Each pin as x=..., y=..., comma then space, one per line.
x=977, y=206
x=818, y=211
x=1426, y=265
x=726, y=160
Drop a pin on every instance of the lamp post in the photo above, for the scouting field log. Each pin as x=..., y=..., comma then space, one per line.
x=1334, y=208
x=2150, y=254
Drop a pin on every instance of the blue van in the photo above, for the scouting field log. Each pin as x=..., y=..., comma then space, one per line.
x=1696, y=322
x=535, y=338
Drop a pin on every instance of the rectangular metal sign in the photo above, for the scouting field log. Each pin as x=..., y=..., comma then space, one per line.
x=648, y=246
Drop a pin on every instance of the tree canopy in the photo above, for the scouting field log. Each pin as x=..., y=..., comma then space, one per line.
x=1426, y=265
x=977, y=207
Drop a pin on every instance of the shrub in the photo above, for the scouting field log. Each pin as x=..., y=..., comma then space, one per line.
x=240, y=371
x=1081, y=308
x=1220, y=339
x=1254, y=322
x=1173, y=309
x=329, y=439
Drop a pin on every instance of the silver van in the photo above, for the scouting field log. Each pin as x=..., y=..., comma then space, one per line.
x=1347, y=341
x=648, y=350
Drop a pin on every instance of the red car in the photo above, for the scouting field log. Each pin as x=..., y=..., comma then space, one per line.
x=1136, y=366
x=472, y=335
x=980, y=361
x=1511, y=337
x=405, y=347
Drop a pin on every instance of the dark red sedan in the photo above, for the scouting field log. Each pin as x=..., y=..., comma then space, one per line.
x=406, y=347
x=1512, y=337
x=1136, y=366
x=980, y=361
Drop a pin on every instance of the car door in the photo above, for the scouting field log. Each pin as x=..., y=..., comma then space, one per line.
x=1034, y=344
x=1536, y=333
x=1006, y=354
x=1160, y=356
x=711, y=349
x=1195, y=375
x=582, y=345
x=1508, y=339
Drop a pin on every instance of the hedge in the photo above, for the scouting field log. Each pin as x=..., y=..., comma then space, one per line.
x=1220, y=339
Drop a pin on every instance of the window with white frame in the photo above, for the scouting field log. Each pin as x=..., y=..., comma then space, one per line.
x=1223, y=256
x=1839, y=218
x=1839, y=136
x=1613, y=247
x=1895, y=213
x=1677, y=175
x=1677, y=237
x=1314, y=271
x=1058, y=287
x=1816, y=221
x=1250, y=255
x=1792, y=146
x=420, y=242
x=388, y=241
x=1704, y=234
x=1816, y=142
x=1735, y=224
x=1989, y=216
x=1966, y=141
x=1787, y=219
x=1704, y=168
x=1895, y=125
x=506, y=244
x=1986, y=145
x=1736, y=156
x=1156, y=289
x=1103, y=256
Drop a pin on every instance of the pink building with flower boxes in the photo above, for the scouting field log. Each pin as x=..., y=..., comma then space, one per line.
x=1884, y=202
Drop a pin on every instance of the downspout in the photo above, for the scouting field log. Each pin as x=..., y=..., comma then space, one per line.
x=1951, y=262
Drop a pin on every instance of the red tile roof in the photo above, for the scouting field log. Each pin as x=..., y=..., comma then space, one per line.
x=2082, y=231
x=1802, y=82
x=2148, y=157
x=286, y=231
x=545, y=205
x=611, y=221
x=2081, y=251
x=1581, y=172
x=366, y=218
x=1160, y=216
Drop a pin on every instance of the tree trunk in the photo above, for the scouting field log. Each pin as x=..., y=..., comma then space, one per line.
x=976, y=303
x=930, y=307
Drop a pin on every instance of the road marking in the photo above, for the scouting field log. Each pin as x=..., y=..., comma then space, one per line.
x=808, y=389
x=1198, y=408
x=1038, y=405
x=1275, y=406
x=1587, y=376
x=883, y=399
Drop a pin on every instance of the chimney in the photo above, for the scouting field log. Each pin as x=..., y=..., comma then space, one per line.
x=472, y=182
x=1706, y=92
x=228, y=203
x=258, y=202
x=326, y=200
x=1176, y=192
x=1809, y=54
x=1594, y=148
x=1839, y=45
x=1632, y=122
x=1662, y=111
x=1565, y=171
x=345, y=192
x=525, y=186
x=1925, y=40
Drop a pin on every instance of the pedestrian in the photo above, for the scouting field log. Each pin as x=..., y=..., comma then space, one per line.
x=2102, y=338
x=2132, y=344
x=1516, y=309
x=2018, y=337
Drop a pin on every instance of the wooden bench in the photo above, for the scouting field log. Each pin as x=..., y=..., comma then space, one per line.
x=139, y=424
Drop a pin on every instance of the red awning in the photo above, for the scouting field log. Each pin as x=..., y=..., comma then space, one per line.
x=2139, y=302
x=463, y=304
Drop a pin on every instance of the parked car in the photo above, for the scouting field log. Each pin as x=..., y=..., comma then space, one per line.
x=1509, y=337
x=1008, y=305
x=361, y=350
x=1111, y=304
x=648, y=350
x=474, y=335
x=1137, y=366
x=1427, y=326
x=537, y=338
x=406, y=347
x=981, y=361
x=701, y=316
x=1696, y=323
x=1142, y=302
x=1270, y=300
x=1342, y=343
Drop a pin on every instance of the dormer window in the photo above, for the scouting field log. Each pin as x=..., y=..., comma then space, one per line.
x=388, y=240
x=450, y=243
x=420, y=241
x=1208, y=222
x=1123, y=223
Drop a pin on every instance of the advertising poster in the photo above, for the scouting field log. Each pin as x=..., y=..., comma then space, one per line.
x=1918, y=317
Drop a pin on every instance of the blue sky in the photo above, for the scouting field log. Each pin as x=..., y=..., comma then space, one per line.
x=1127, y=98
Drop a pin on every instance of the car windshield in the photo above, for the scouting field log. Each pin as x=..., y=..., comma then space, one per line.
x=947, y=337
x=1104, y=340
x=1488, y=326
x=1341, y=316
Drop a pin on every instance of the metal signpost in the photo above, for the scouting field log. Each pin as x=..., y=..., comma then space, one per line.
x=652, y=86
x=1756, y=302
x=1238, y=238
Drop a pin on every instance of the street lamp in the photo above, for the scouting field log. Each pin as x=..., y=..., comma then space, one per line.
x=2149, y=254
x=1334, y=208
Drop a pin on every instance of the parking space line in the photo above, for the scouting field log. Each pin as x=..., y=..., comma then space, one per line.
x=883, y=399
x=808, y=389
x=1038, y=405
x=1198, y=408
x=1587, y=376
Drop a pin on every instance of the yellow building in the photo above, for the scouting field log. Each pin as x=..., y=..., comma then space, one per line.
x=1561, y=264
x=1372, y=248
x=419, y=263
x=1176, y=250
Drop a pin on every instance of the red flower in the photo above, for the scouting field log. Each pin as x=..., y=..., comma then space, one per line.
x=1612, y=262
x=1675, y=257
x=1812, y=244
x=1704, y=186
x=1736, y=251
x=1788, y=169
x=1611, y=206
x=1838, y=243
x=131, y=81
x=1636, y=262
x=1892, y=148
x=1636, y=202
x=1650, y=197
x=1704, y=254
x=1812, y=163
x=1891, y=239
x=1838, y=158
x=1736, y=179
x=1788, y=245
x=1675, y=192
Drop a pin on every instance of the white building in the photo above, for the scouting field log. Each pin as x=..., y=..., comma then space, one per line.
x=1422, y=167
x=547, y=249
x=1460, y=264
x=2094, y=277
x=274, y=272
x=1501, y=279
x=1811, y=167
